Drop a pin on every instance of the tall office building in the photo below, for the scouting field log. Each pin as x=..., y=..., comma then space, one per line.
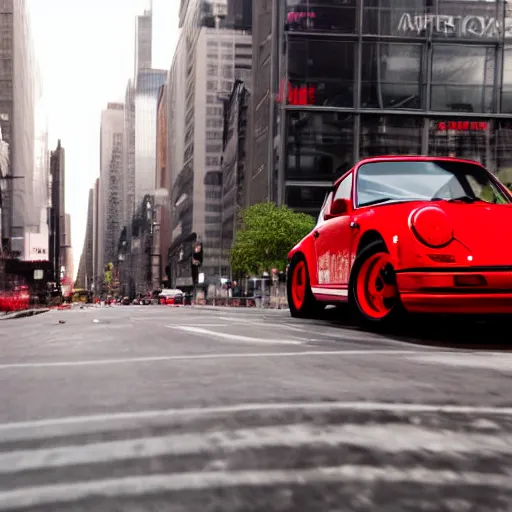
x=208, y=59
x=360, y=78
x=234, y=159
x=67, y=269
x=84, y=273
x=57, y=219
x=143, y=42
x=97, y=270
x=23, y=178
x=110, y=205
x=129, y=154
x=147, y=89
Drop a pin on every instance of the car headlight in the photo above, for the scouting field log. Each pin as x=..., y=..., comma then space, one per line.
x=431, y=226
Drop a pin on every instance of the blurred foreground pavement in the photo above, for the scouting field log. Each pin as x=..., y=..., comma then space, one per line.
x=182, y=409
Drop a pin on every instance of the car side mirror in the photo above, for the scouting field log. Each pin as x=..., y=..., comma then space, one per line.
x=338, y=207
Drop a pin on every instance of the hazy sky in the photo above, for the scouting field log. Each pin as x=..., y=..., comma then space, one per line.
x=86, y=53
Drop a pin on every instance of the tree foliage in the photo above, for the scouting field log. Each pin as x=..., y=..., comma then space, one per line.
x=267, y=234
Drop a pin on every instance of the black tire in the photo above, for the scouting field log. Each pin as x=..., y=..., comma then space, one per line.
x=310, y=307
x=395, y=314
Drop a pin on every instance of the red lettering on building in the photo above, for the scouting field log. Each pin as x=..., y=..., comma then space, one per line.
x=293, y=17
x=297, y=94
x=463, y=126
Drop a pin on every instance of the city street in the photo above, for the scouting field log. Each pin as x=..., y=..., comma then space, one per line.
x=184, y=409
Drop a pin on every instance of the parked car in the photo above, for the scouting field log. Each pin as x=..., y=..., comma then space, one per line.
x=171, y=296
x=417, y=234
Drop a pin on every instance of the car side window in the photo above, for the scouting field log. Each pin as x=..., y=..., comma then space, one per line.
x=344, y=190
x=325, y=208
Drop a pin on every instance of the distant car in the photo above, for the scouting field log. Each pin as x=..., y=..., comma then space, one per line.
x=416, y=234
x=170, y=296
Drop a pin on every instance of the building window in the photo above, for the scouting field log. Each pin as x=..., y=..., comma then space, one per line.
x=214, y=111
x=211, y=70
x=227, y=71
x=322, y=16
x=467, y=20
x=396, y=17
x=461, y=138
x=212, y=160
x=391, y=76
x=211, y=99
x=503, y=145
x=390, y=135
x=214, y=123
x=213, y=135
x=306, y=199
x=213, y=148
x=462, y=78
x=320, y=146
x=310, y=69
x=506, y=90
x=211, y=85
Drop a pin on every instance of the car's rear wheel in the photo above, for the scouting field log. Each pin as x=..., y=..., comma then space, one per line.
x=374, y=290
x=301, y=301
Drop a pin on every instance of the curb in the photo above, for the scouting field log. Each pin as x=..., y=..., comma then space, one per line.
x=23, y=314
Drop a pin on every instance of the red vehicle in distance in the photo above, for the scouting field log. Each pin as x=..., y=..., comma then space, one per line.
x=413, y=233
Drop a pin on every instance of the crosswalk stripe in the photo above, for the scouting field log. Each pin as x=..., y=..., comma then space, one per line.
x=22, y=429
x=405, y=438
x=155, y=484
x=235, y=337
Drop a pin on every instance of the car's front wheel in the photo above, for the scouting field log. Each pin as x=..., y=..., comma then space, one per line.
x=373, y=286
x=301, y=301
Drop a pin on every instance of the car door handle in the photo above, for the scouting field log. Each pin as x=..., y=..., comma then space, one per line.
x=316, y=234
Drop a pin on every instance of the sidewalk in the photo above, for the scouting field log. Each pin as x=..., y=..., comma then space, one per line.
x=23, y=314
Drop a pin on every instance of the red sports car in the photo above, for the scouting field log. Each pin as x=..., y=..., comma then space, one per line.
x=414, y=233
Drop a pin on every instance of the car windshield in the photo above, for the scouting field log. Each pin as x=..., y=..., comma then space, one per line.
x=383, y=182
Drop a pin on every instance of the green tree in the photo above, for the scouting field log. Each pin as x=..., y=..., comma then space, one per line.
x=267, y=234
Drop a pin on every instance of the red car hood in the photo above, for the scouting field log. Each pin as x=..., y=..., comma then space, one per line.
x=485, y=229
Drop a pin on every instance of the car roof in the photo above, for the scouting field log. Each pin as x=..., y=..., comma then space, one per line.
x=406, y=158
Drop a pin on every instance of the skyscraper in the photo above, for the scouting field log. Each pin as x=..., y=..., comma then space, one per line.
x=110, y=205
x=24, y=178
x=84, y=274
x=208, y=59
x=143, y=42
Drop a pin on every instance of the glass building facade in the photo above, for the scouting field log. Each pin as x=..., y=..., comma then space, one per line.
x=147, y=89
x=360, y=78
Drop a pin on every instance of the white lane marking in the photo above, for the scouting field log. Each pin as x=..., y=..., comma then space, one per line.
x=405, y=438
x=234, y=337
x=193, y=412
x=197, y=324
x=328, y=331
x=501, y=362
x=26, y=497
x=249, y=355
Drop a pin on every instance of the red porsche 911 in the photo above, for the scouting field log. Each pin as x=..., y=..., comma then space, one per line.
x=414, y=233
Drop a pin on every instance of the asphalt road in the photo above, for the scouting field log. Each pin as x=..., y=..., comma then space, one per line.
x=184, y=409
